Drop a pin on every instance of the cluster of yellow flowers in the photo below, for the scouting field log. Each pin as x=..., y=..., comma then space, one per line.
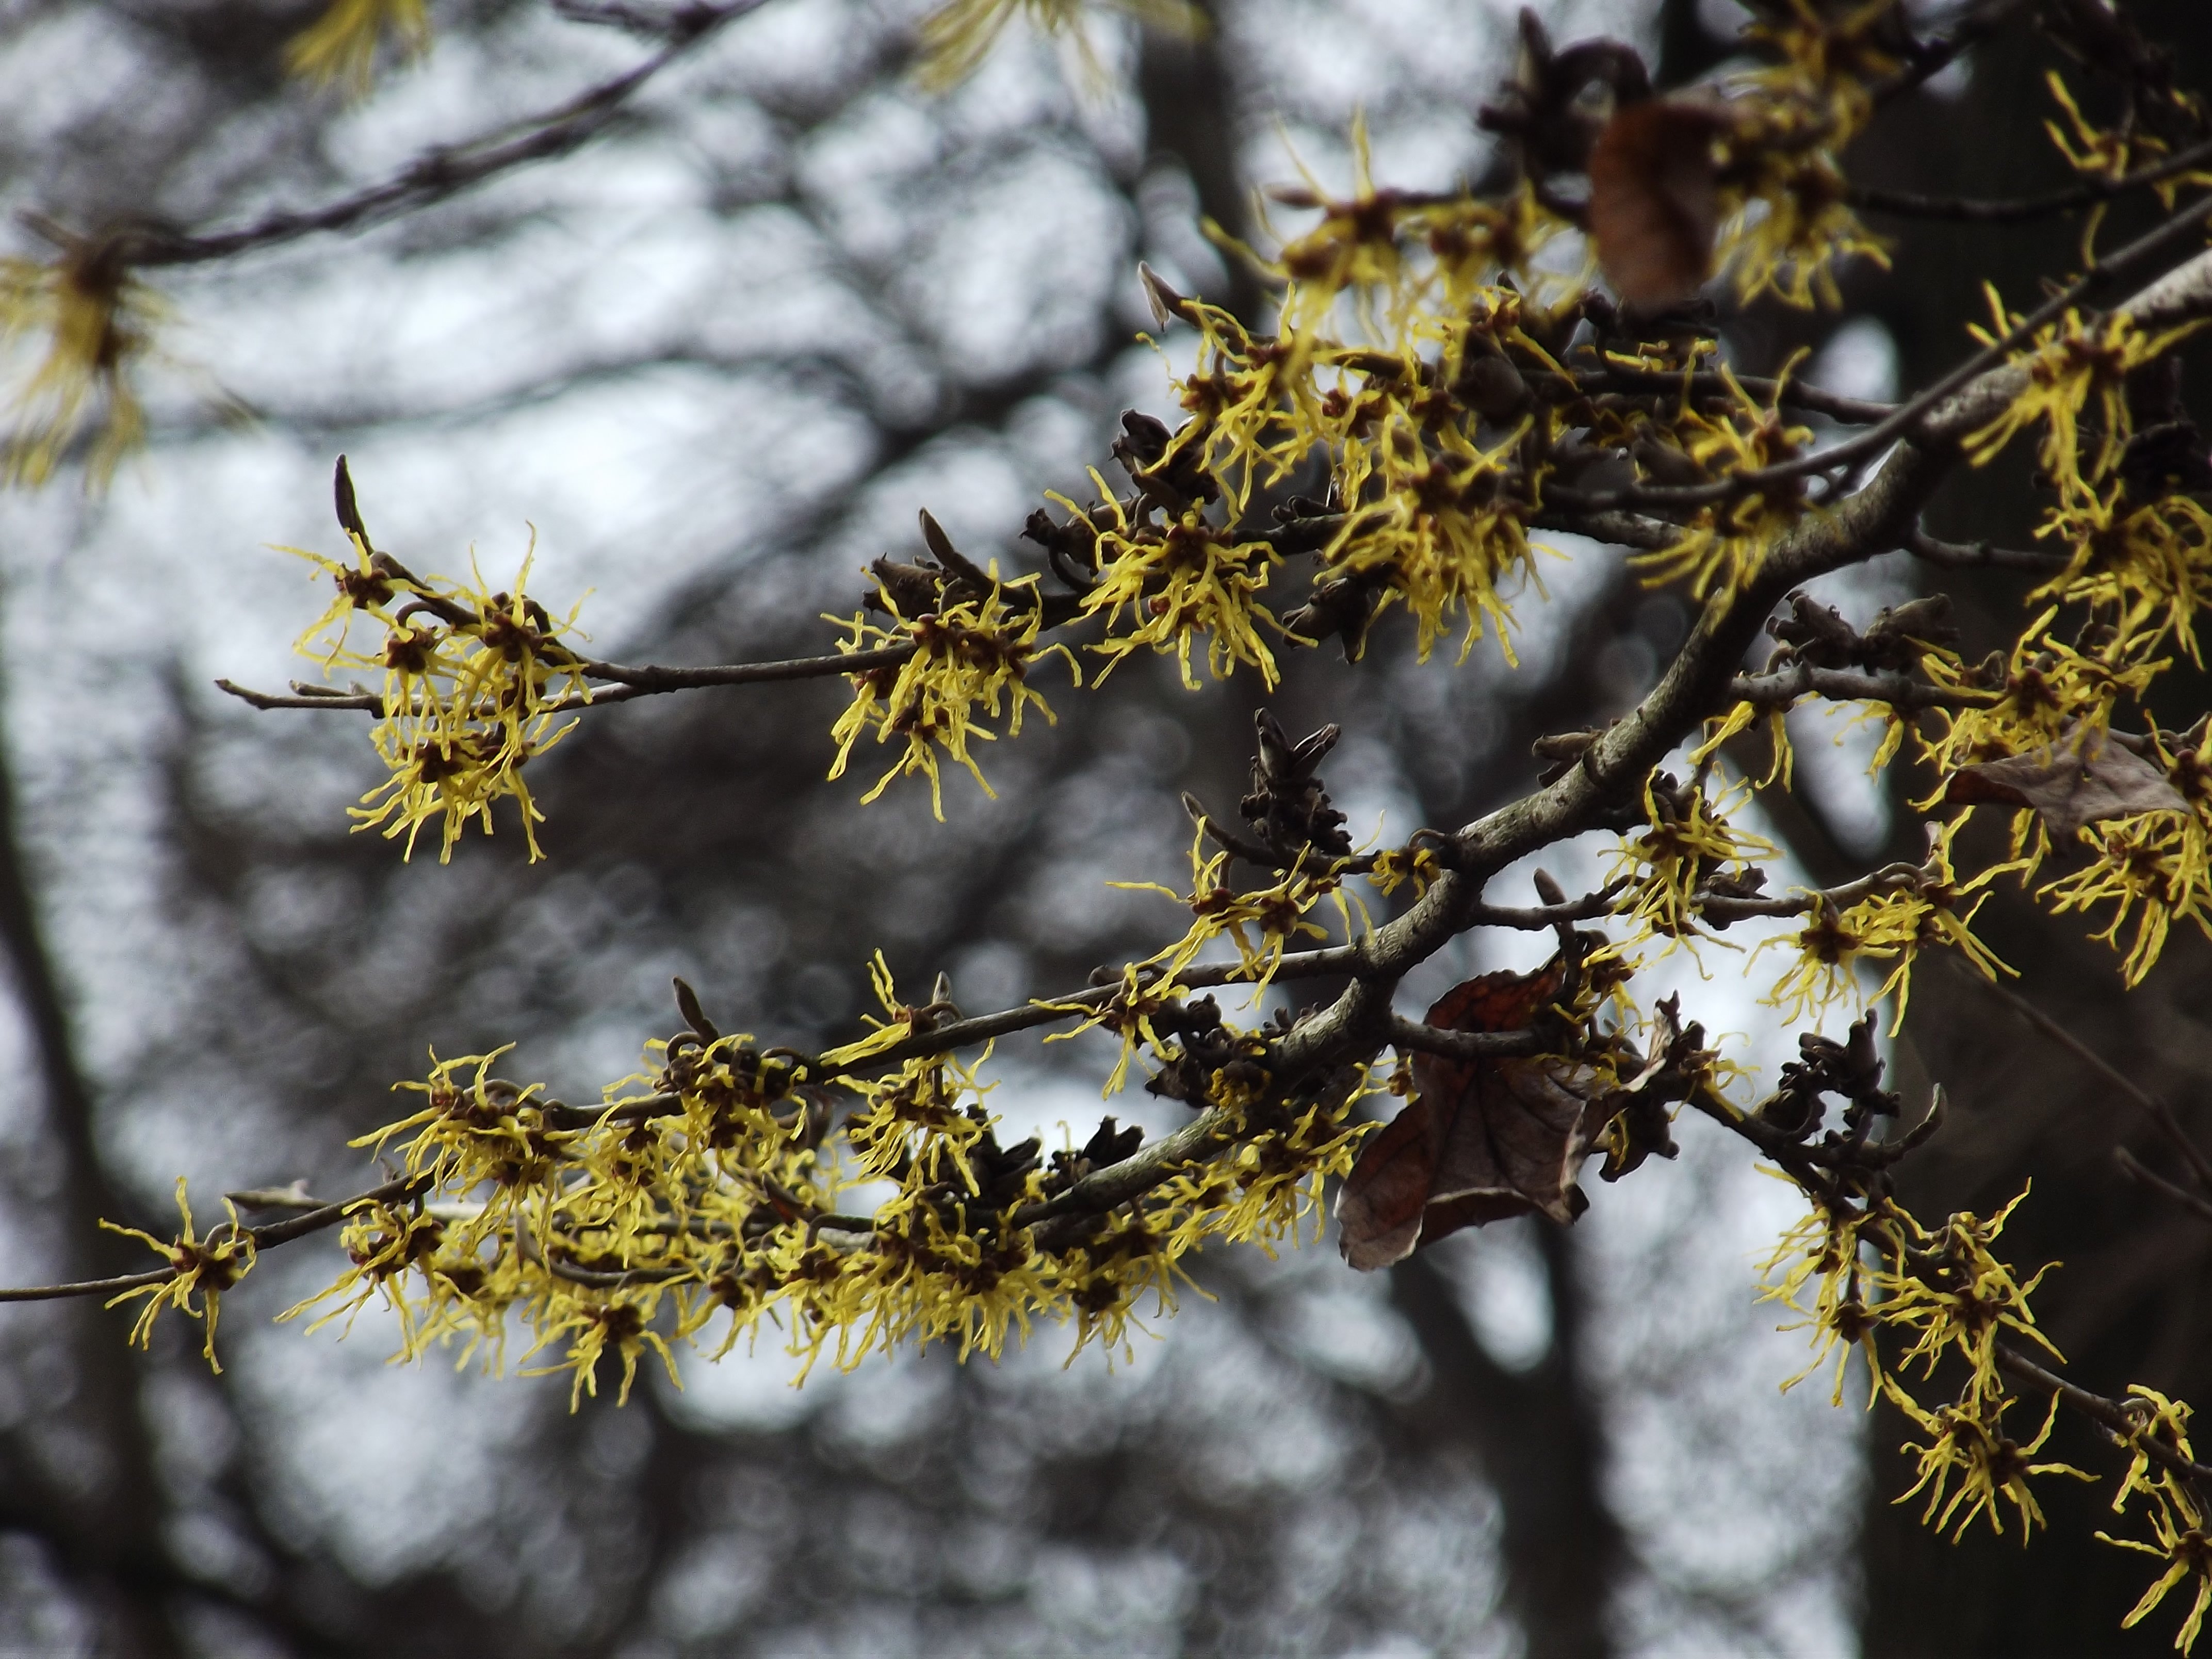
x=1421, y=385
x=709, y=1184
x=969, y=655
x=476, y=684
x=2180, y=1535
x=1261, y=924
x=1868, y=1267
x=1781, y=183
x=1430, y=500
x=2139, y=564
x=1858, y=1266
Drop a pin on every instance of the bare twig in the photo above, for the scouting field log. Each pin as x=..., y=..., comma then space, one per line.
x=446, y=170
x=2149, y=1104
x=1791, y=394
x=1784, y=686
x=1972, y=555
x=1720, y=910
x=1535, y=918
x=365, y=702
x=1936, y=56
x=626, y=682
x=651, y=681
x=1462, y=1045
x=1905, y=204
x=2135, y=1170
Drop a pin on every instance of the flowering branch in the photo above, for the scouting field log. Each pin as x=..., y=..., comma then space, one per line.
x=277, y=1232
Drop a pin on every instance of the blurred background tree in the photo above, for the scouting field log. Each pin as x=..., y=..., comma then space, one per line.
x=718, y=357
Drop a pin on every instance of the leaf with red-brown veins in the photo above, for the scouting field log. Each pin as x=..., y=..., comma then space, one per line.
x=1655, y=201
x=2083, y=778
x=1481, y=1139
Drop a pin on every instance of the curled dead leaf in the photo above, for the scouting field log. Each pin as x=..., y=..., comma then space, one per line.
x=1655, y=200
x=2083, y=778
x=1481, y=1139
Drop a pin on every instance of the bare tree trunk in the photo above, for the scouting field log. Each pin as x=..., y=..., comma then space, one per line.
x=1539, y=1438
x=2019, y=1102
x=100, y=1510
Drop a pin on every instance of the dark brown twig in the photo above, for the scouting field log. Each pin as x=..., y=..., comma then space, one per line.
x=626, y=683
x=1784, y=686
x=1462, y=1045
x=2125, y=1425
x=446, y=170
x=1936, y=56
x=1905, y=204
x=2135, y=1170
x=2149, y=1104
x=1972, y=555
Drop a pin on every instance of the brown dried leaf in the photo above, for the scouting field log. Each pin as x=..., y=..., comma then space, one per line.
x=1482, y=1140
x=1654, y=202
x=2082, y=778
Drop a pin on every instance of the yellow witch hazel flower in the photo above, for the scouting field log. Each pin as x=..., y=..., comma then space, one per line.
x=956, y=35
x=1905, y=909
x=1441, y=529
x=1963, y=1304
x=340, y=47
x=2049, y=690
x=381, y=1243
x=1394, y=867
x=484, y=1129
x=2110, y=153
x=1779, y=133
x=1721, y=547
x=900, y=1026
x=1822, y=1251
x=1158, y=584
x=591, y=1324
x=1256, y=412
x=2181, y=1535
x=2152, y=866
x=913, y=1121
x=2068, y=363
x=1261, y=925
x=968, y=654
x=1967, y=1442
x=1688, y=840
x=2148, y=565
x=97, y=323
x=1142, y=993
x=1387, y=246
x=202, y=1268
x=476, y=682
x=1794, y=228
